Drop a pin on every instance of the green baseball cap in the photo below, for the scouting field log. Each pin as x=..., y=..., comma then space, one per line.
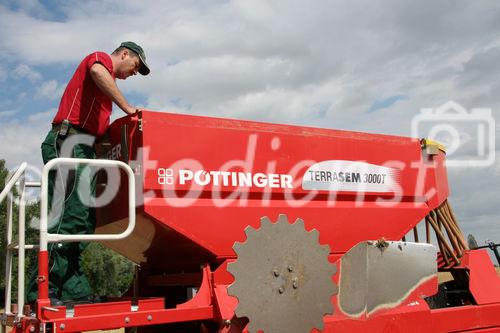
x=144, y=69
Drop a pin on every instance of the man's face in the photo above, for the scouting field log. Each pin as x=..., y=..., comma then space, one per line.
x=130, y=64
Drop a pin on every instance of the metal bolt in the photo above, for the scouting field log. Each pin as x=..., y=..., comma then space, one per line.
x=32, y=328
x=62, y=326
x=276, y=273
x=295, y=282
x=281, y=290
x=127, y=320
x=290, y=269
x=150, y=317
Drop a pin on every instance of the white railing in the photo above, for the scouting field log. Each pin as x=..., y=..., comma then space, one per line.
x=12, y=180
x=45, y=237
x=18, y=178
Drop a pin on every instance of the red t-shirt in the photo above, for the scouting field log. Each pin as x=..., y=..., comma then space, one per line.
x=83, y=103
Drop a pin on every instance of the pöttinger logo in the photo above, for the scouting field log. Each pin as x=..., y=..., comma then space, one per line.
x=469, y=137
x=165, y=176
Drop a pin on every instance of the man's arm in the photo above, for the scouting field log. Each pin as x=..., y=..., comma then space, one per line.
x=105, y=82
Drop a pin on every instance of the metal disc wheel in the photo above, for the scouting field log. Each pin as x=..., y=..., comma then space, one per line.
x=283, y=279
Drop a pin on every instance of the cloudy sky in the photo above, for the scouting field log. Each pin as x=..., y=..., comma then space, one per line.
x=355, y=65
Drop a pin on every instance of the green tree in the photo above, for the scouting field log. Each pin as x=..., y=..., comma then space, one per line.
x=109, y=274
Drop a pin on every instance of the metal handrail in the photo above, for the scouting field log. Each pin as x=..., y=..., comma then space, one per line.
x=8, y=258
x=21, y=235
x=46, y=238
x=13, y=179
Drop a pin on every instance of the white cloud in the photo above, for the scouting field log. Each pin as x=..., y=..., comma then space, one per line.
x=23, y=71
x=7, y=113
x=44, y=117
x=50, y=90
x=21, y=140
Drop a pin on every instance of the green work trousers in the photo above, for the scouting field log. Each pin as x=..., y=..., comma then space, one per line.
x=66, y=278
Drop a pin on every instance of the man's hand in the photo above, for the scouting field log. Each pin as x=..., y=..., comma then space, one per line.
x=137, y=113
x=131, y=110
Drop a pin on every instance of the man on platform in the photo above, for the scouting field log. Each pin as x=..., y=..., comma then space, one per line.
x=84, y=110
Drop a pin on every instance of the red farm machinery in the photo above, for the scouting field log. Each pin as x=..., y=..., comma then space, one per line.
x=239, y=226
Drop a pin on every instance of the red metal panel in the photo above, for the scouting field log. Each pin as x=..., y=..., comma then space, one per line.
x=465, y=318
x=131, y=319
x=456, y=319
x=102, y=308
x=206, y=220
x=151, y=304
x=215, y=141
x=341, y=227
x=411, y=321
x=484, y=282
x=43, y=275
